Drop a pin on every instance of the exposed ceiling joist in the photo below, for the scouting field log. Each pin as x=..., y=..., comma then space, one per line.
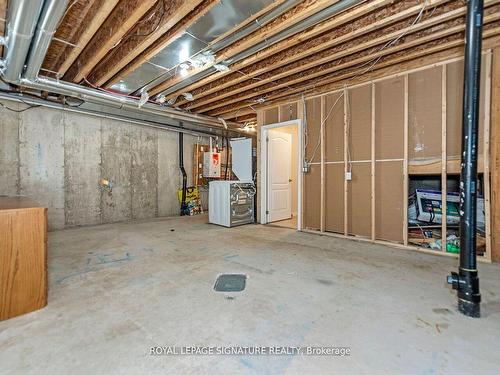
x=142, y=43
x=402, y=62
x=294, y=15
x=363, y=57
x=3, y=13
x=438, y=26
x=91, y=15
x=203, y=86
x=175, y=33
x=254, y=77
x=123, y=17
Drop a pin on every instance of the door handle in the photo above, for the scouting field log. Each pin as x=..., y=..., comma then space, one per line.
x=289, y=180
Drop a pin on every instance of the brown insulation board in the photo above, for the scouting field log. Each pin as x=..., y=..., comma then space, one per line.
x=360, y=116
x=312, y=202
x=334, y=198
x=389, y=201
x=424, y=114
x=288, y=112
x=271, y=116
x=454, y=95
x=389, y=118
x=359, y=200
x=334, y=127
x=312, y=128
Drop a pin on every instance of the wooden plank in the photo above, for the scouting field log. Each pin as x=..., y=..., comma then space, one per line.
x=444, y=175
x=316, y=68
x=405, y=162
x=245, y=82
x=300, y=114
x=114, y=28
x=92, y=22
x=486, y=153
x=495, y=157
x=441, y=51
x=286, y=20
x=347, y=166
x=385, y=70
x=322, y=135
x=154, y=49
x=372, y=151
x=312, y=179
x=3, y=15
x=23, y=257
x=333, y=23
x=131, y=53
x=73, y=32
x=433, y=167
x=260, y=122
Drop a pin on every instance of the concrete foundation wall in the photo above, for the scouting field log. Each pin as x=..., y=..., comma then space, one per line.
x=58, y=159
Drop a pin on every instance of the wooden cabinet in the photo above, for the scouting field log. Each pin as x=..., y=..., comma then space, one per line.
x=23, y=256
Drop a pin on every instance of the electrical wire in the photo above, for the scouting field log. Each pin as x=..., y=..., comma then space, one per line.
x=372, y=64
x=30, y=106
x=322, y=123
x=155, y=28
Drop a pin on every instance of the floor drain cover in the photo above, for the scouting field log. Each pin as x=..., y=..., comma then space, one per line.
x=230, y=283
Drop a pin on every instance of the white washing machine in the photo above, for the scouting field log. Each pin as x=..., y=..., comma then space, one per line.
x=231, y=203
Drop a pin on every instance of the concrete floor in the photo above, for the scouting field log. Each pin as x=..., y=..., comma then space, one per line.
x=116, y=290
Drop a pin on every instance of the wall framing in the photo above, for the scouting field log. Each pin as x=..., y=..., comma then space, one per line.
x=444, y=165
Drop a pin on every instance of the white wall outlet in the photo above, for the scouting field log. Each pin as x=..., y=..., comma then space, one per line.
x=348, y=176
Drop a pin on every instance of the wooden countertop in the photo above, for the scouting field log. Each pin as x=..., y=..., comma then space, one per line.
x=15, y=203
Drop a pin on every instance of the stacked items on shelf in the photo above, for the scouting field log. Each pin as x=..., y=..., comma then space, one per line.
x=425, y=221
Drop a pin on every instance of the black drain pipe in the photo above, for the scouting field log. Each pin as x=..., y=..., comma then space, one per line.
x=466, y=281
x=183, y=171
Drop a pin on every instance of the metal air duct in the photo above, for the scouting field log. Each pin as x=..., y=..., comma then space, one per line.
x=21, y=22
x=23, y=16
x=52, y=13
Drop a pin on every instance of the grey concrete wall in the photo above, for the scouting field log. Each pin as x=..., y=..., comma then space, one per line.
x=58, y=159
x=41, y=160
x=9, y=150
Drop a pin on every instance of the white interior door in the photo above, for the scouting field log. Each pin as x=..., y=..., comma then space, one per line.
x=279, y=172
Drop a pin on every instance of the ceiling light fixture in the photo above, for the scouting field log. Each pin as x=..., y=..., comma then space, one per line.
x=144, y=99
x=188, y=96
x=221, y=67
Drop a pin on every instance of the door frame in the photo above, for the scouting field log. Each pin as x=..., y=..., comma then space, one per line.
x=264, y=168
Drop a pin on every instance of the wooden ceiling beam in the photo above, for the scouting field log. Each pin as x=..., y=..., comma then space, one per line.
x=122, y=18
x=298, y=13
x=85, y=31
x=344, y=19
x=362, y=56
x=3, y=15
x=175, y=33
x=175, y=17
x=69, y=32
x=319, y=55
x=426, y=59
x=347, y=74
x=291, y=48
